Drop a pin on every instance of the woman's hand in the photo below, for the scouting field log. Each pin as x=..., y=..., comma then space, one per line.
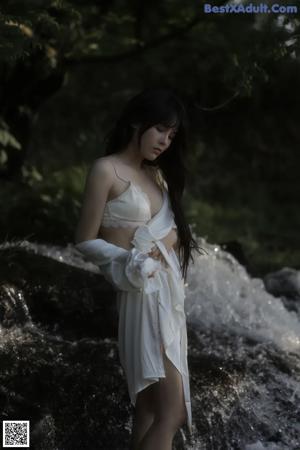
x=156, y=254
x=169, y=241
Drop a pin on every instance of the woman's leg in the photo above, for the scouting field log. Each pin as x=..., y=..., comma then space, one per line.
x=170, y=410
x=143, y=417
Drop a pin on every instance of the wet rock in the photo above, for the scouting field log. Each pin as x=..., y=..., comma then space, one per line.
x=285, y=281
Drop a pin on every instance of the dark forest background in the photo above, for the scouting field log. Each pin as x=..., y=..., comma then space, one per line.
x=66, y=69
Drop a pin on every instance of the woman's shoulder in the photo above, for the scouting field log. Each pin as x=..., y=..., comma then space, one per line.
x=101, y=167
x=103, y=164
x=103, y=160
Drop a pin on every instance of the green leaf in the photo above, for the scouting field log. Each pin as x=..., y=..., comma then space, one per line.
x=7, y=139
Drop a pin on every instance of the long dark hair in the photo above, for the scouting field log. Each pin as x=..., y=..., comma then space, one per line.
x=151, y=107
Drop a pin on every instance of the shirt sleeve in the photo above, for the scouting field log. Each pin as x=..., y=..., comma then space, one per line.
x=125, y=270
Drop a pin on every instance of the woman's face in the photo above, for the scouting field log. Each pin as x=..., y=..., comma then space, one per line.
x=156, y=140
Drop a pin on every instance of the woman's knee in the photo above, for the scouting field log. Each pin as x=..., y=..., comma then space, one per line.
x=171, y=419
x=171, y=422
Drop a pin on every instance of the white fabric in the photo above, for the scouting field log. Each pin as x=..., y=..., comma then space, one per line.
x=125, y=270
x=151, y=310
x=132, y=203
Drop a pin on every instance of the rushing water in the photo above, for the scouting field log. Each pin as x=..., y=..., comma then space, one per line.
x=221, y=295
x=244, y=352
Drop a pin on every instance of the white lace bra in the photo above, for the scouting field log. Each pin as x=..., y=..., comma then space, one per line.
x=130, y=209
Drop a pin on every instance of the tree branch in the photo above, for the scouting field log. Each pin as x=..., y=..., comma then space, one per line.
x=220, y=106
x=140, y=49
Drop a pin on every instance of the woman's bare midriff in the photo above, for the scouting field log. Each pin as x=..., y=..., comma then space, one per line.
x=120, y=236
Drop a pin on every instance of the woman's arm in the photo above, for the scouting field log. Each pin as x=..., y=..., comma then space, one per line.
x=169, y=241
x=125, y=270
x=97, y=186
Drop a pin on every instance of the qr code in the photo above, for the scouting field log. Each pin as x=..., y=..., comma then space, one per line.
x=15, y=433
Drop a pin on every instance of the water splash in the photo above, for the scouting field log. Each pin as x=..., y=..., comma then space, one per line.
x=221, y=295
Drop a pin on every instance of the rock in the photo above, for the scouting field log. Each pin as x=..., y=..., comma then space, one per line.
x=285, y=281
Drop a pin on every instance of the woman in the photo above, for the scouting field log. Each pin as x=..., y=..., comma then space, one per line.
x=132, y=225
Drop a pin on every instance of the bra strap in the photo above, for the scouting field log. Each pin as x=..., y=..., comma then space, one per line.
x=127, y=181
